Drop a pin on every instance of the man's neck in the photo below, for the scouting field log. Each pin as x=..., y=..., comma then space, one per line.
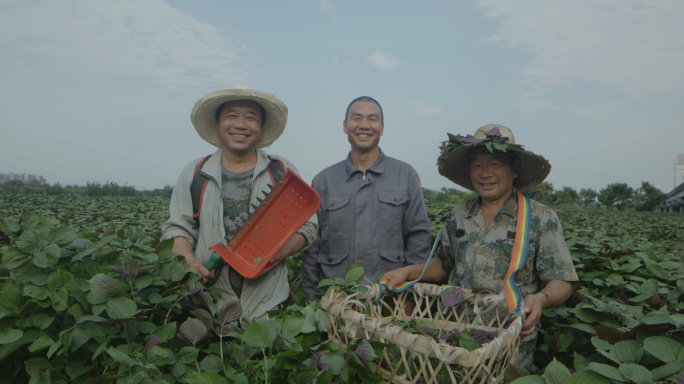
x=238, y=162
x=364, y=159
x=491, y=207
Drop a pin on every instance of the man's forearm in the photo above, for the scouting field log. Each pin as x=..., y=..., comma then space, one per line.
x=295, y=244
x=557, y=290
x=181, y=246
x=433, y=273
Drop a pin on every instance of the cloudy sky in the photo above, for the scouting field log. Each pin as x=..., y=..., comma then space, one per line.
x=103, y=90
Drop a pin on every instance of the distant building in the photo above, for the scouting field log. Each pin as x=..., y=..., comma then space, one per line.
x=674, y=202
x=6, y=177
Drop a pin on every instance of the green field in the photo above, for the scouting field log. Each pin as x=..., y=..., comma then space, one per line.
x=87, y=288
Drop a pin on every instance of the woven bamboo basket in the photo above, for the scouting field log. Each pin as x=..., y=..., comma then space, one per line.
x=424, y=360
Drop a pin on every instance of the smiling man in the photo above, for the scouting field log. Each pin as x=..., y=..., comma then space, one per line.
x=239, y=121
x=479, y=234
x=372, y=209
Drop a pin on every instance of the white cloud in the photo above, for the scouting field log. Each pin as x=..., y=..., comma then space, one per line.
x=336, y=59
x=384, y=60
x=629, y=45
x=138, y=37
x=426, y=109
x=326, y=7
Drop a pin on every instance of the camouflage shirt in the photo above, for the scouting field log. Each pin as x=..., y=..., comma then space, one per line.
x=475, y=257
x=235, y=193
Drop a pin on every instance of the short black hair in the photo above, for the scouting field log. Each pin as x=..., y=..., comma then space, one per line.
x=366, y=99
x=262, y=111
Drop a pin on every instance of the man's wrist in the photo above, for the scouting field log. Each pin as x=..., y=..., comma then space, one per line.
x=543, y=298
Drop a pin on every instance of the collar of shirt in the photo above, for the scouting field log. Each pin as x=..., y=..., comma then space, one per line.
x=378, y=166
x=510, y=207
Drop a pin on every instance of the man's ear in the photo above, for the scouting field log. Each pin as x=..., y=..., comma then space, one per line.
x=382, y=128
x=344, y=126
x=516, y=168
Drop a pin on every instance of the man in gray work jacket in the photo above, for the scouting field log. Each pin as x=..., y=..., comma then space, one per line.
x=372, y=209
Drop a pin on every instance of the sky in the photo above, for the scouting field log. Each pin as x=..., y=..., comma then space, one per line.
x=102, y=91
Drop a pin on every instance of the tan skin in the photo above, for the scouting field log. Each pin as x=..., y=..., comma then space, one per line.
x=492, y=177
x=363, y=127
x=239, y=129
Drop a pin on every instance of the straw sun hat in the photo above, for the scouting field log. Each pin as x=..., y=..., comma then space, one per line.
x=203, y=115
x=454, y=165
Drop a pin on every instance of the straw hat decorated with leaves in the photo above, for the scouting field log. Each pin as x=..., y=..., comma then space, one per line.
x=454, y=164
x=203, y=115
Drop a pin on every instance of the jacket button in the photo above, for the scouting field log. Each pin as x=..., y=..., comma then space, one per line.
x=332, y=204
x=330, y=259
x=398, y=257
x=396, y=199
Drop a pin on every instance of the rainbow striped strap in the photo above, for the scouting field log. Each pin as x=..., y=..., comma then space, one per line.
x=518, y=257
x=382, y=287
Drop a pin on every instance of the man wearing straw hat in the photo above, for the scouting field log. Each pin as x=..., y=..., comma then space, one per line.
x=239, y=121
x=478, y=243
x=372, y=209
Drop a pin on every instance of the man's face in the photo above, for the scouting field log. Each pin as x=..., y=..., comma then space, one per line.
x=492, y=175
x=363, y=125
x=239, y=126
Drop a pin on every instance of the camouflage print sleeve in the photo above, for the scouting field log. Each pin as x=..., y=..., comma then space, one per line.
x=446, y=249
x=553, y=259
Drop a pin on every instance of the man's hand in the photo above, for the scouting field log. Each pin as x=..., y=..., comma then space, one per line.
x=181, y=246
x=294, y=245
x=533, y=311
x=555, y=292
x=198, y=265
x=397, y=276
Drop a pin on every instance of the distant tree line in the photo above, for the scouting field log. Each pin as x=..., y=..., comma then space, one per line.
x=94, y=189
x=617, y=196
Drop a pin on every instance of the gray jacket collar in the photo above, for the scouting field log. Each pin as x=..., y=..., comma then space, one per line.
x=377, y=167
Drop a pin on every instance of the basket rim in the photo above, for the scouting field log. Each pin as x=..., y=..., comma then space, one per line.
x=447, y=352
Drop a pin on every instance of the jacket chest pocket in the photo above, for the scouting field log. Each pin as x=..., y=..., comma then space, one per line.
x=391, y=209
x=336, y=220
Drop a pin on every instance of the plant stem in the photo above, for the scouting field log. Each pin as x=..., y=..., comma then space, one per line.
x=265, y=364
x=221, y=344
x=171, y=307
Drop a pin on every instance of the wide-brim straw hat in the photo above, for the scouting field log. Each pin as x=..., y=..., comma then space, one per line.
x=455, y=166
x=203, y=115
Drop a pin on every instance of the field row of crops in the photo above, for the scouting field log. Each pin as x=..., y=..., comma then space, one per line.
x=90, y=295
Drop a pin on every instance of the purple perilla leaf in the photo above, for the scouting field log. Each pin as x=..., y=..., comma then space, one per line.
x=469, y=139
x=494, y=132
x=482, y=337
x=150, y=343
x=319, y=357
x=230, y=312
x=199, y=294
x=451, y=298
x=204, y=317
x=193, y=331
x=365, y=351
